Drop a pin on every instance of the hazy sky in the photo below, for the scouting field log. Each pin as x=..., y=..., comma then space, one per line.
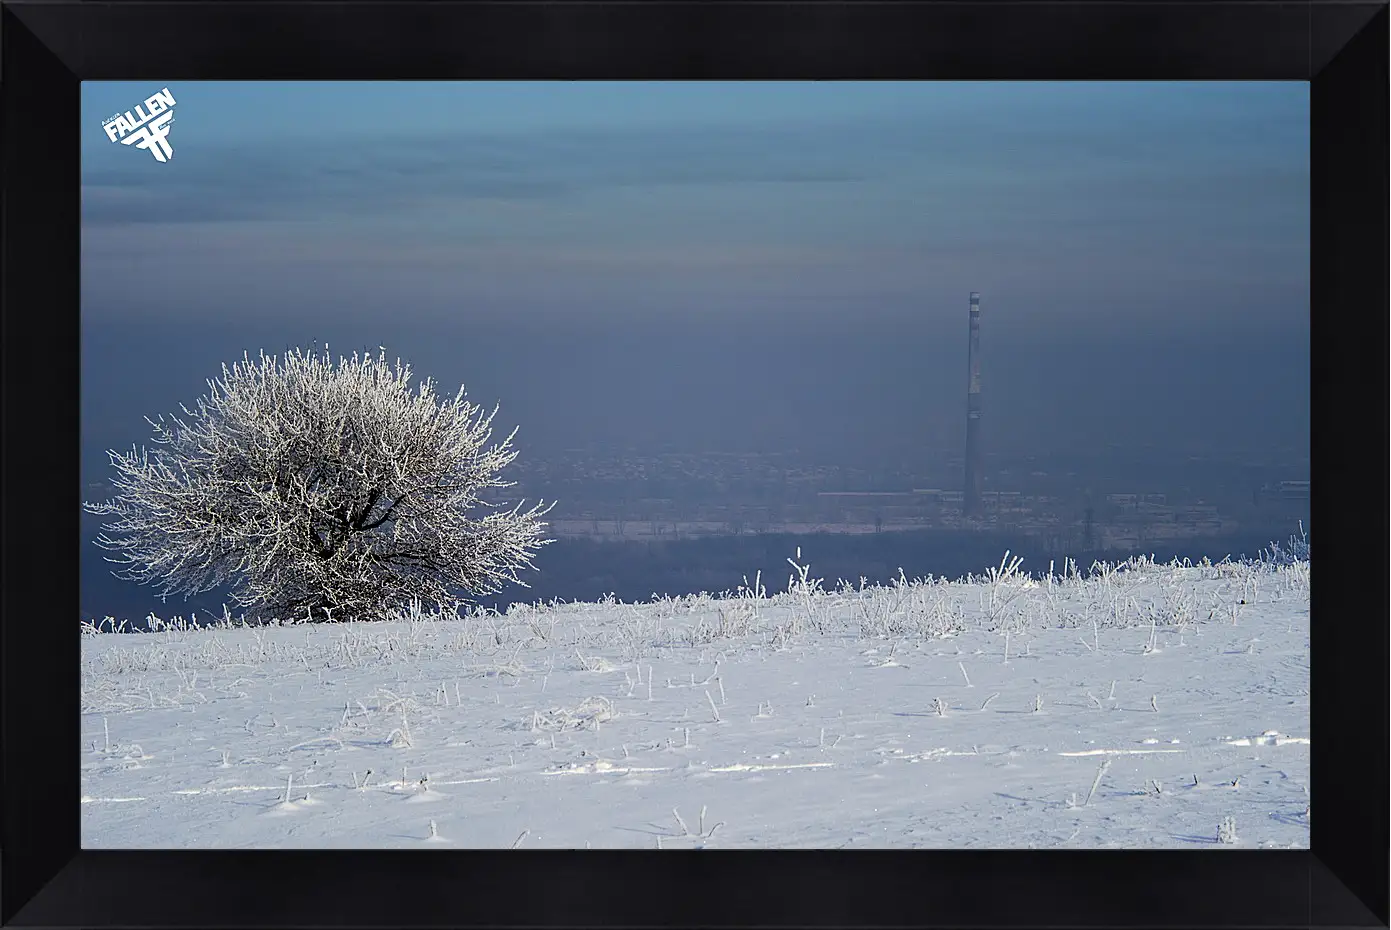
x=726, y=265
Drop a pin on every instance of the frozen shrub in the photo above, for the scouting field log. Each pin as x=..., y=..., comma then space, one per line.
x=1295, y=549
x=320, y=490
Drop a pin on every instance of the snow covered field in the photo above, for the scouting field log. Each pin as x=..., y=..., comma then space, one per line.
x=1139, y=707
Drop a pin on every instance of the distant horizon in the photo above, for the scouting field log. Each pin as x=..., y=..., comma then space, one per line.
x=766, y=264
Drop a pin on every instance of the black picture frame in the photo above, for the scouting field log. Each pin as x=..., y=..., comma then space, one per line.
x=46, y=49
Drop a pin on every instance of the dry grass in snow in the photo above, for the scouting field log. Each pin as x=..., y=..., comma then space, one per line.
x=1141, y=705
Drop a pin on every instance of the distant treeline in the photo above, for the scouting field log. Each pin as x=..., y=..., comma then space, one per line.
x=586, y=570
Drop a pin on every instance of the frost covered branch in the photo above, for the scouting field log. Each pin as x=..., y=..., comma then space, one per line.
x=325, y=490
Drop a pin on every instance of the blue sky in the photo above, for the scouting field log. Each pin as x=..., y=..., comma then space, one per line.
x=551, y=244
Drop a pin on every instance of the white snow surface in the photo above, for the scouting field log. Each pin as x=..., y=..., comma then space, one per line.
x=845, y=720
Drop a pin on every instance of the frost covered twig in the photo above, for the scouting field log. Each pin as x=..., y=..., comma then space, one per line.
x=319, y=488
x=1096, y=781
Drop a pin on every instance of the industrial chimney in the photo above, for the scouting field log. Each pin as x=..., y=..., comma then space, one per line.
x=975, y=467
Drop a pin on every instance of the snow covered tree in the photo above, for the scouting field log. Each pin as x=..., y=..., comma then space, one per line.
x=322, y=491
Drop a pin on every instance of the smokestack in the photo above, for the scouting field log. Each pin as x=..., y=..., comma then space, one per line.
x=975, y=466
